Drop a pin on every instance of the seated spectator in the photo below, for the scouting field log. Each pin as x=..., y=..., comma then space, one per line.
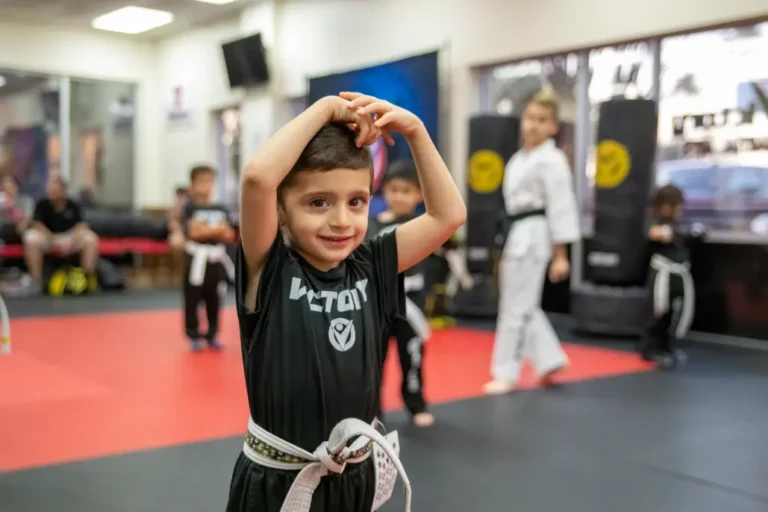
x=57, y=225
x=15, y=209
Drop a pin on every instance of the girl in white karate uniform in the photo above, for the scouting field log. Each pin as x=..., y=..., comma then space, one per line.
x=541, y=208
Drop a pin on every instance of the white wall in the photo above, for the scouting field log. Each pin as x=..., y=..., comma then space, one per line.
x=315, y=38
x=320, y=37
x=195, y=61
x=89, y=54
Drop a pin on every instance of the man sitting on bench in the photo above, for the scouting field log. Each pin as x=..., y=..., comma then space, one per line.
x=58, y=227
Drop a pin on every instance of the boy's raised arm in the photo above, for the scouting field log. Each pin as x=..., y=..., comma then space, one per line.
x=445, y=208
x=446, y=212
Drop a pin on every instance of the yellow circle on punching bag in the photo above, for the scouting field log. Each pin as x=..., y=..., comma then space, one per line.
x=613, y=164
x=486, y=171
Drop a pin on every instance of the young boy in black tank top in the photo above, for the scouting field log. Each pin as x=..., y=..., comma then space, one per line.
x=314, y=301
x=402, y=194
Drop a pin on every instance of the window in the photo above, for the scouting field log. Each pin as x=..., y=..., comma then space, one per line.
x=624, y=71
x=508, y=88
x=29, y=129
x=102, y=143
x=712, y=108
x=228, y=145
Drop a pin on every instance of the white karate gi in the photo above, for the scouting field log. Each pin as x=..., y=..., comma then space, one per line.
x=536, y=179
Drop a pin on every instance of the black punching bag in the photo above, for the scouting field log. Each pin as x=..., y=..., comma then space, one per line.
x=626, y=151
x=492, y=142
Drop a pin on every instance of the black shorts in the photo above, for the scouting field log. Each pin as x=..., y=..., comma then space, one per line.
x=255, y=488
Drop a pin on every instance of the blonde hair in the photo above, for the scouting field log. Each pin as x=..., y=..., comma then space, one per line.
x=546, y=98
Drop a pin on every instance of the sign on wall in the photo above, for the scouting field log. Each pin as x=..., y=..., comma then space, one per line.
x=179, y=105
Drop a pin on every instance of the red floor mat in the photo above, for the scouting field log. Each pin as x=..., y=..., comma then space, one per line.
x=87, y=386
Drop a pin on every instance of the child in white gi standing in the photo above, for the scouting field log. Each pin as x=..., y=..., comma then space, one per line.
x=541, y=207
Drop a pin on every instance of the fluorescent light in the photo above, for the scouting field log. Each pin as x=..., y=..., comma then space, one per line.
x=132, y=20
x=3, y=81
x=217, y=2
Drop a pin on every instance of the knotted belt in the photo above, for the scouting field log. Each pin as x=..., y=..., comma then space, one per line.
x=664, y=269
x=202, y=254
x=331, y=456
x=507, y=220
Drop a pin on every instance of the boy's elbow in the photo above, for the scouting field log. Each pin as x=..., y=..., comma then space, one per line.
x=457, y=217
x=256, y=176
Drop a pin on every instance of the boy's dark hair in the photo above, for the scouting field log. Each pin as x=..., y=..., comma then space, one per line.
x=332, y=147
x=200, y=170
x=668, y=195
x=402, y=170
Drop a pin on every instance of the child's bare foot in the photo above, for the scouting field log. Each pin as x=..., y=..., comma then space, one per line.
x=499, y=387
x=423, y=419
x=548, y=379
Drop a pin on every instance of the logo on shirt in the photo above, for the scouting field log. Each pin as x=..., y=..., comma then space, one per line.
x=341, y=334
x=210, y=217
x=329, y=301
x=341, y=331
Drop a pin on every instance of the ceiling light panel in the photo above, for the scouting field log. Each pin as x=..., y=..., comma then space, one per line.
x=132, y=20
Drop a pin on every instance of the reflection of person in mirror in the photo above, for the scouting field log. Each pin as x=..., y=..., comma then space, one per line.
x=541, y=219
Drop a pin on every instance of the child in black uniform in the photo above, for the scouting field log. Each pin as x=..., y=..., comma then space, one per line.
x=314, y=300
x=207, y=228
x=669, y=279
x=402, y=194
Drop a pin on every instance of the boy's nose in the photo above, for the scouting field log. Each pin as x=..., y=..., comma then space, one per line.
x=339, y=218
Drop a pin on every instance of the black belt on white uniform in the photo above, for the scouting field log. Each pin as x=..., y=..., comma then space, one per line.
x=664, y=268
x=509, y=219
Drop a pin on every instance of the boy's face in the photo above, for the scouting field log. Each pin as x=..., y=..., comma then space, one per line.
x=671, y=212
x=326, y=213
x=201, y=187
x=538, y=124
x=402, y=196
x=55, y=189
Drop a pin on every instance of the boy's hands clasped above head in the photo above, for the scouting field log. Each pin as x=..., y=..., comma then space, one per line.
x=372, y=118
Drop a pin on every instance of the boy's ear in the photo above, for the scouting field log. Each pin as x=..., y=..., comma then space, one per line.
x=280, y=215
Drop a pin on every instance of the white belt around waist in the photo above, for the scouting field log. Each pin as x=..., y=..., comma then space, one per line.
x=664, y=269
x=331, y=456
x=203, y=254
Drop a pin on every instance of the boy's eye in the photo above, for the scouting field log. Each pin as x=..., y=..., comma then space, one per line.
x=358, y=202
x=318, y=202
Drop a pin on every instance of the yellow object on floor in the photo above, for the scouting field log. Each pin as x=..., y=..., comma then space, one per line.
x=442, y=322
